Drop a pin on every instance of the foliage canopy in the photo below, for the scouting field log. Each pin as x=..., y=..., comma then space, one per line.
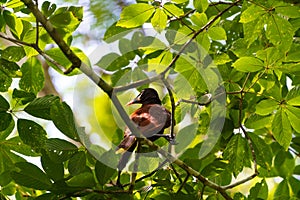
x=251, y=49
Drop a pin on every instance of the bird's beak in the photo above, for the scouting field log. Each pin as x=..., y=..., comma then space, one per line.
x=130, y=102
x=136, y=100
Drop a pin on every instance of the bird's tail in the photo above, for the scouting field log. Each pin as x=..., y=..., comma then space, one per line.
x=126, y=155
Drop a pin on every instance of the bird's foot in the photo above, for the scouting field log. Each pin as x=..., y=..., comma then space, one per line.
x=168, y=137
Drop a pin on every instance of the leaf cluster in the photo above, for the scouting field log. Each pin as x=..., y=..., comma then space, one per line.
x=246, y=50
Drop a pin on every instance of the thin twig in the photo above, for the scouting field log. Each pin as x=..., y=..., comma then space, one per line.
x=240, y=182
x=37, y=27
x=108, y=89
x=173, y=107
x=89, y=191
x=150, y=174
x=135, y=166
x=176, y=57
x=176, y=173
x=34, y=46
x=183, y=183
x=193, y=102
x=180, y=19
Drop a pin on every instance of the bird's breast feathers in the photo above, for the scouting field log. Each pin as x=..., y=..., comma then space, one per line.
x=151, y=119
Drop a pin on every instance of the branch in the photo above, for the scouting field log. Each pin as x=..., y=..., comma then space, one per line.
x=88, y=191
x=176, y=57
x=76, y=62
x=109, y=90
x=173, y=107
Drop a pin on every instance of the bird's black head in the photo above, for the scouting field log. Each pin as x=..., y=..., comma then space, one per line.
x=147, y=96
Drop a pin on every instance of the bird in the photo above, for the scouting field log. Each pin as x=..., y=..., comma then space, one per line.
x=150, y=119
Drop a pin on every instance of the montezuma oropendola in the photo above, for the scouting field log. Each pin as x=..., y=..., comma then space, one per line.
x=151, y=119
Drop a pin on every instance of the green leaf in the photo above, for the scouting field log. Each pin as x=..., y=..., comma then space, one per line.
x=60, y=150
x=33, y=76
x=151, y=44
x=217, y=33
x=62, y=117
x=54, y=170
x=293, y=114
x=190, y=73
x=179, y=1
x=199, y=19
x=221, y=59
x=238, y=153
x=15, y=24
x=160, y=63
x=262, y=151
x=103, y=172
x=30, y=37
x=65, y=20
x=40, y=107
x=17, y=145
x=294, y=53
x=251, y=13
x=5, y=120
x=114, y=33
x=159, y=20
x=5, y=133
x=281, y=37
x=59, y=57
x=82, y=180
x=113, y=61
x=289, y=11
x=172, y=10
x=282, y=191
x=257, y=122
x=281, y=129
x=284, y=163
x=266, y=107
x=294, y=184
x=77, y=163
x=201, y=5
x=135, y=15
x=31, y=176
x=31, y=133
x=48, y=8
x=293, y=96
x=22, y=96
x=13, y=53
x=259, y=191
x=4, y=105
x=8, y=70
x=248, y=64
x=253, y=30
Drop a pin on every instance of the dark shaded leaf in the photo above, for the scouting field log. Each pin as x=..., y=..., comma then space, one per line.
x=262, y=151
x=60, y=150
x=31, y=176
x=83, y=180
x=54, y=170
x=135, y=15
x=13, y=53
x=103, y=172
x=62, y=116
x=31, y=133
x=238, y=153
x=40, y=107
x=259, y=191
x=282, y=191
x=32, y=76
x=23, y=96
x=77, y=163
x=281, y=129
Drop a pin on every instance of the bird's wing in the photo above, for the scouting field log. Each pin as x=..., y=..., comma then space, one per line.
x=151, y=119
x=128, y=142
